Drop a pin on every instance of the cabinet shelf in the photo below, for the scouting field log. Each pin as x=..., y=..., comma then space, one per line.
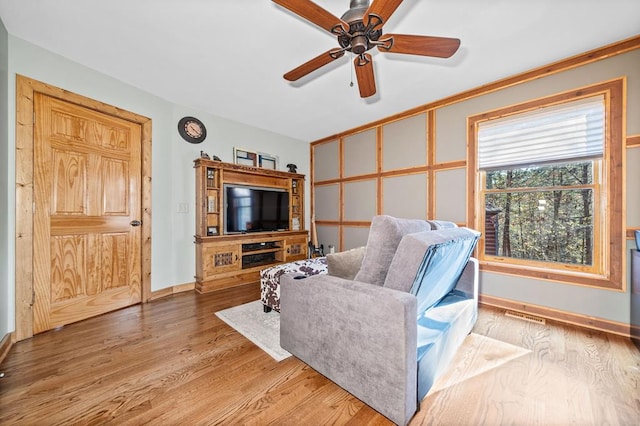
x=263, y=245
x=254, y=260
x=270, y=250
x=267, y=262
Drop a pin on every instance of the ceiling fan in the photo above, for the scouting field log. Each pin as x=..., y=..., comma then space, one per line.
x=359, y=30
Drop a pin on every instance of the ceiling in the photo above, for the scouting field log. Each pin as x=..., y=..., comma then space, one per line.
x=227, y=57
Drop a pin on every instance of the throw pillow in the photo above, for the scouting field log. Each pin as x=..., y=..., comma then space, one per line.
x=345, y=264
x=441, y=224
x=384, y=236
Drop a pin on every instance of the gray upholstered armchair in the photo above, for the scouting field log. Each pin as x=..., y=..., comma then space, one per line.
x=385, y=335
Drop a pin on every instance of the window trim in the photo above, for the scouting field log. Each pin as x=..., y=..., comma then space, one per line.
x=609, y=243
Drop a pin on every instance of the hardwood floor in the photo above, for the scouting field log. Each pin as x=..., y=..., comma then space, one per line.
x=172, y=361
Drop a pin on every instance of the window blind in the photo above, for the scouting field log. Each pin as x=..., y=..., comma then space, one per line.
x=567, y=132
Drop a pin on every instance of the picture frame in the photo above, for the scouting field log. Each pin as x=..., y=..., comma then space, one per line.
x=212, y=230
x=245, y=157
x=267, y=161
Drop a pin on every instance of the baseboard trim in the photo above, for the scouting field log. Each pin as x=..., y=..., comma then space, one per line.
x=585, y=321
x=172, y=290
x=5, y=345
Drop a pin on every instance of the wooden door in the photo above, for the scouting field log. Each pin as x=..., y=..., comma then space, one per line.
x=87, y=185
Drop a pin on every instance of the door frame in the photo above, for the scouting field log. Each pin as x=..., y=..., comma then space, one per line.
x=25, y=89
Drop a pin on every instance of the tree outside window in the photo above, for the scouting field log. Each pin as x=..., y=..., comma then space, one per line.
x=537, y=223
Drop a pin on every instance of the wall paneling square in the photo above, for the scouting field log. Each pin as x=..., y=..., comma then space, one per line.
x=327, y=202
x=326, y=161
x=360, y=200
x=404, y=143
x=360, y=153
x=397, y=190
x=451, y=195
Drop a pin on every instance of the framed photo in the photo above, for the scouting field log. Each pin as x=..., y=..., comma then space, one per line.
x=245, y=157
x=212, y=230
x=267, y=161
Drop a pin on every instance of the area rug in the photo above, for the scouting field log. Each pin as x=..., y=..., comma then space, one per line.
x=261, y=328
x=478, y=354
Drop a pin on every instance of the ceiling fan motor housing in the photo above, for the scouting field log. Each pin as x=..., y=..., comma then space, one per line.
x=356, y=11
x=358, y=39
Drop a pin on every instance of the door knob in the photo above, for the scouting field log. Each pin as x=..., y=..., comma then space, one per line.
x=135, y=223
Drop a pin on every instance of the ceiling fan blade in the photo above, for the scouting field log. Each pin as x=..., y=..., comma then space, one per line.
x=383, y=8
x=313, y=13
x=364, y=75
x=440, y=47
x=314, y=64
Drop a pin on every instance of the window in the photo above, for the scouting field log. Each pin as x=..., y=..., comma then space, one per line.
x=544, y=213
x=545, y=176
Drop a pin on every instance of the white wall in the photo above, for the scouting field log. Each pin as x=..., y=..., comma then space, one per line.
x=173, y=252
x=6, y=314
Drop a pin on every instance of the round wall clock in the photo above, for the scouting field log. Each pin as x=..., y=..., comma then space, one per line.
x=192, y=130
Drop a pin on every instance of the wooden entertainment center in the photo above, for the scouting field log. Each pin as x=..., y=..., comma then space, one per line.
x=227, y=260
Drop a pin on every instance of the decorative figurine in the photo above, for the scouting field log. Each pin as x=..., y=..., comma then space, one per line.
x=292, y=168
x=204, y=155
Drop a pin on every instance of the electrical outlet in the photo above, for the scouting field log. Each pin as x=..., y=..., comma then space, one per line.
x=183, y=207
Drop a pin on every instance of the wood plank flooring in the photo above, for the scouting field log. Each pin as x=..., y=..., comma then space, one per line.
x=173, y=362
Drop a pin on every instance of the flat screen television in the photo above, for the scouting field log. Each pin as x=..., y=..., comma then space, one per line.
x=255, y=209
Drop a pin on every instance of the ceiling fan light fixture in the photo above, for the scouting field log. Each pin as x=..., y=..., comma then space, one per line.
x=359, y=44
